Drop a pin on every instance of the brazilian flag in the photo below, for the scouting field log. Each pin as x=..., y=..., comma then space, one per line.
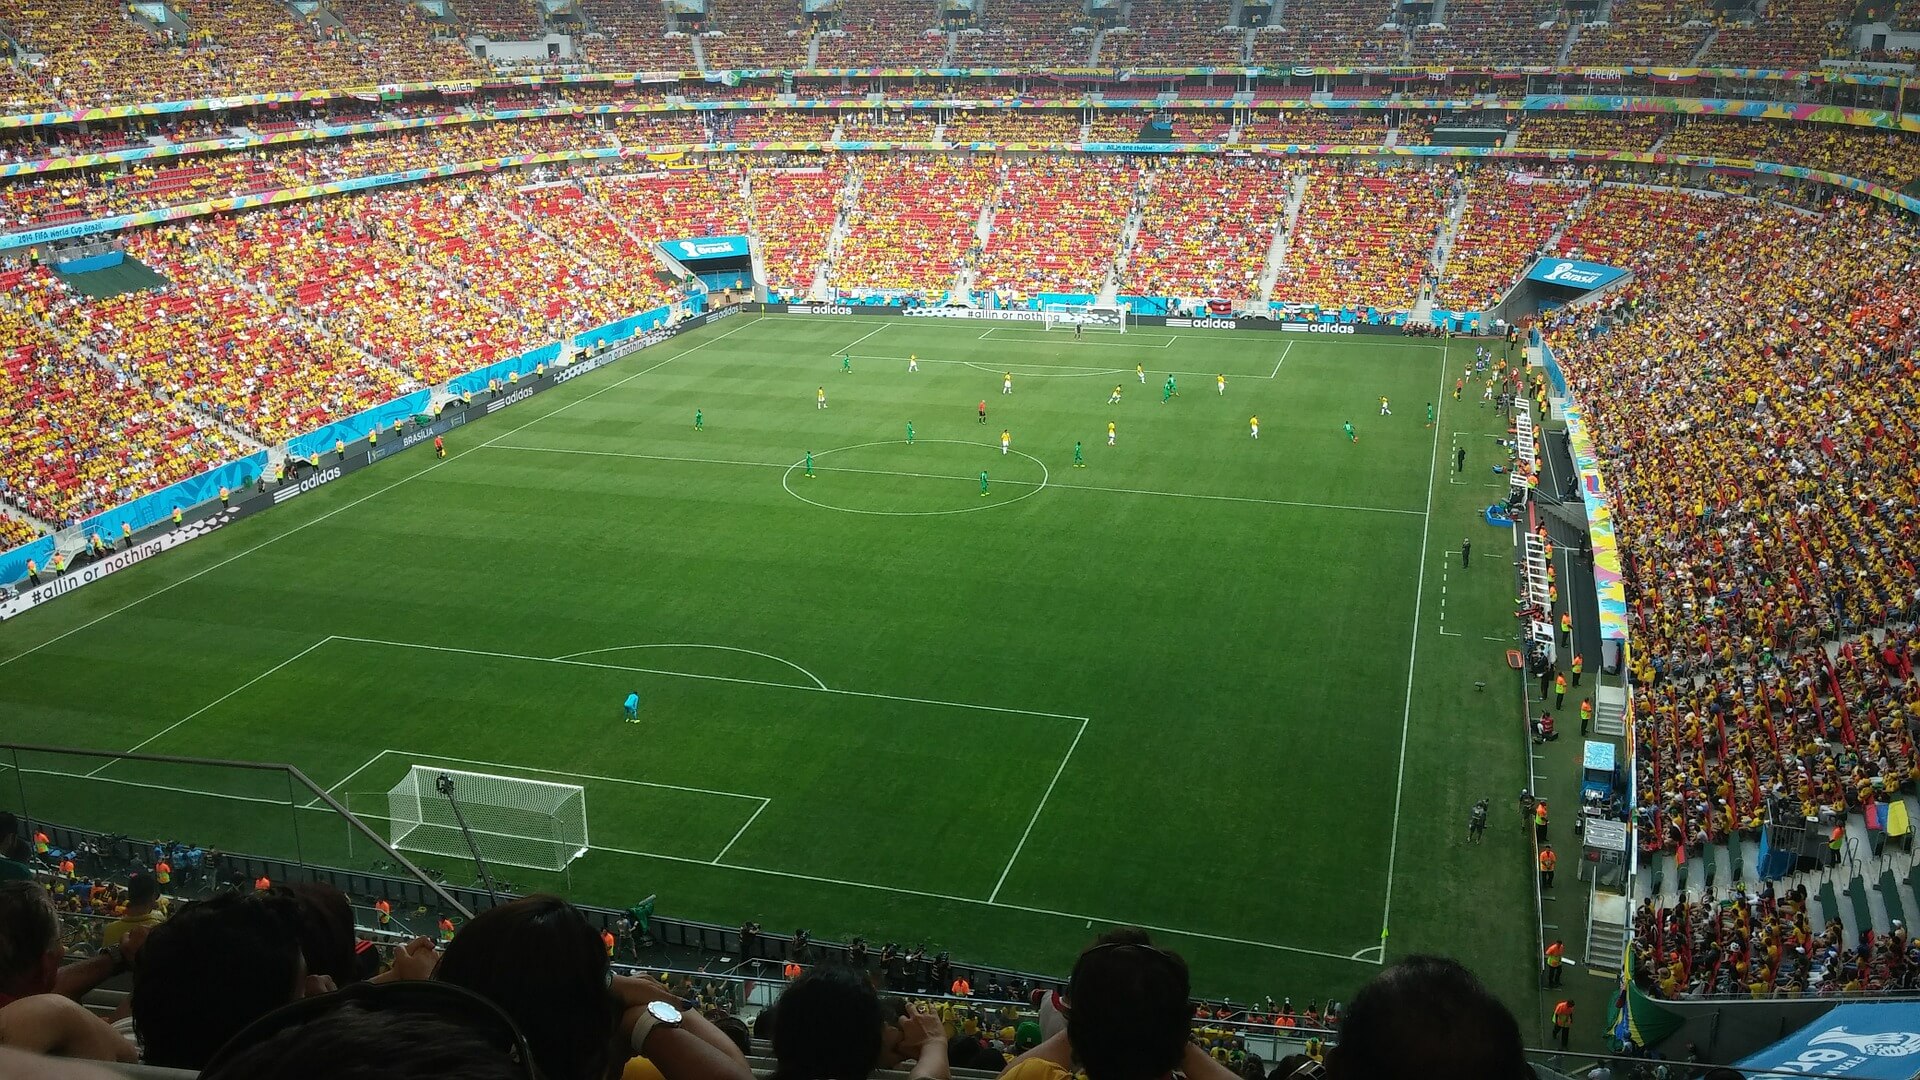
x=1636, y=1018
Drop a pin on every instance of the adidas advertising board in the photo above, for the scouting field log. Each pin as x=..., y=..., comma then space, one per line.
x=82, y=576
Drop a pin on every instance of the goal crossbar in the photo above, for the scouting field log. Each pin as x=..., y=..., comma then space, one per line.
x=515, y=821
x=1103, y=318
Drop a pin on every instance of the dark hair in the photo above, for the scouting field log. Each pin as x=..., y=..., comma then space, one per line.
x=28, y=930
x=326, y=930
x=1427, y=1017
x=544, y=965
x=1129, y=1001
x=735, y=1029
x=212, y=969
x=143, y=888
x=827, y=1027
x=354, y=1042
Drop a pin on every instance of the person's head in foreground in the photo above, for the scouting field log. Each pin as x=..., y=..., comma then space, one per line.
x=544, y=965
x=827, y=1026
x=29, y=940
x=212, y=969
x=1128, y=1001
x=399, y=1031
x=1427, y=1018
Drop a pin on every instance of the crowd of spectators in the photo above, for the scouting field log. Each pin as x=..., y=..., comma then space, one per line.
x=883, y=33
x=1637, y=132
x=793, y=214
x=1619, y=223
x=915, y=219
x=500, y=20
x=754, y=34
x=1000, y=126
x=1642, y=32
x=1116, y=125
x=277, y=979
x=1505, y=33
x=1345, y=127
x=1206, y=226
x=1751, y=395
x=1027, y=34
x=675, y=205
x=75, y=437
x=623, y=36
x=404, y=44
x=889, y=125
x=771, y=125
x=1791, y=34
x=1056, y=225
x=1884, y=157
x=1508, y=220
x=328, y=261
x=1175, y=33
x=1331, y=31
x=1364, y=237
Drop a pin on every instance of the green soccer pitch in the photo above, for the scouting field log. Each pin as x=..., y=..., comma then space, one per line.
x=1218, y=687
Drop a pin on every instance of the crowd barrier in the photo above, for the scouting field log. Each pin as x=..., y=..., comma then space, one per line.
x=1345, y=322
x=158, y=507
x=355, y=428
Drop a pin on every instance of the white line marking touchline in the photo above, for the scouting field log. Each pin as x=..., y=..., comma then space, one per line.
x=149, y=739
x=1035, y=819
x=934, y=476
x=348, y=506
x=1413, y=654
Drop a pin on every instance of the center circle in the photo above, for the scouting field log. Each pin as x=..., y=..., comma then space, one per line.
x=955, y=473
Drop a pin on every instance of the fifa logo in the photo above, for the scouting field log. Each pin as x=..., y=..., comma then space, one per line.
x=1881, y=1044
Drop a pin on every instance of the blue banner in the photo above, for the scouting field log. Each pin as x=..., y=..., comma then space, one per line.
x=602, y=336
x=13, y=564
x=1574, y=274
x=157, y=507
x=506, y=372
x=696, y=248
x=355, y=428
x=1866, y=1042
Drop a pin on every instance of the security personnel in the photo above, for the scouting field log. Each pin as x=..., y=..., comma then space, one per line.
x=1540, y=821
x=446, y=929
x=1548, y=861
x=33, y=571
x=384, y=911
x=373, y=437
x=126, y=535
x=1559, y=690
x=961, y=987
x=1566, y=627
x=40, y=842
x=226, y=496
x=340, y=448
x=1586, y=714
x=607, y=939
x=262, y=883
x=59, y=563
x=1556, y=955
x=1562, y=1023
x=791, y=970
x=1578, y=663
x=162, y=871
x=176, y=517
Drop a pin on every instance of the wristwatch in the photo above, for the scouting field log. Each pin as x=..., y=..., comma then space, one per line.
x=119, y=957
x=657, y=1014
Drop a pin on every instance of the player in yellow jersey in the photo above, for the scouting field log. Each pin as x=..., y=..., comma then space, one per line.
x=1006, y=383
x=1006, y=440
x=1254, y=426
x=1109, y=433
x=1114, y=398
x=820, y=398
x=913, y=361
x=1141, y=371
x=1221, y=382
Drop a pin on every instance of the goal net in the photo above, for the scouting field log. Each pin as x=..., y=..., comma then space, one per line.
x=1105, y=319
x=514, y=821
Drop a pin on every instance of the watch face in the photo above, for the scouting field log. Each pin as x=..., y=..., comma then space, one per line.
x=663, y=1012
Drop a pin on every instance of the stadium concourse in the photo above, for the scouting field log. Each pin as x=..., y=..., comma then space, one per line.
x=1750, y=391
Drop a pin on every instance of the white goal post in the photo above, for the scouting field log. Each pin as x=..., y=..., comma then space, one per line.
x=514, y=821
x=1106, y=318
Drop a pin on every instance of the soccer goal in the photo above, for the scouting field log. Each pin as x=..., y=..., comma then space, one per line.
x=514, y=821
x=1103, y=318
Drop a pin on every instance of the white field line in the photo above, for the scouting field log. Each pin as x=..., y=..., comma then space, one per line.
x=276, y=538
x=863, y=337
x=936, y=476
x=504, y=767
x=1053, y=336
x=705, y=678
x=1031, y=822
x=1413, y=653
x=170, y=727
x=764, y=803
x=817, y=681
x=1282, y=360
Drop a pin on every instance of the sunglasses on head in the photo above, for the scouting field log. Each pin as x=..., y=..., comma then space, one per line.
x=446, y=1001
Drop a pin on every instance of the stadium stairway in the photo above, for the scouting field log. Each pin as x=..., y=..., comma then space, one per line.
x=813, y=51
x=1283, y=237
x=202, y=418
x=699, y=52
x=1712, y=36
x=1561, y=59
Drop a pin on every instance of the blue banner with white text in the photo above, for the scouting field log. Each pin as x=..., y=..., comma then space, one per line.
x=157, y=507
x=354, y=428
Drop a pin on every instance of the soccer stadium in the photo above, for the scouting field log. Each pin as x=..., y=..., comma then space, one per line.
x=816, y=539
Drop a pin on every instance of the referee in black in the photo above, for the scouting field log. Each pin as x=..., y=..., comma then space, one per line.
x=1466, y=552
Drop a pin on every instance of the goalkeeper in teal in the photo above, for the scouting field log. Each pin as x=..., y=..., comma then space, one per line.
x=632, y=707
